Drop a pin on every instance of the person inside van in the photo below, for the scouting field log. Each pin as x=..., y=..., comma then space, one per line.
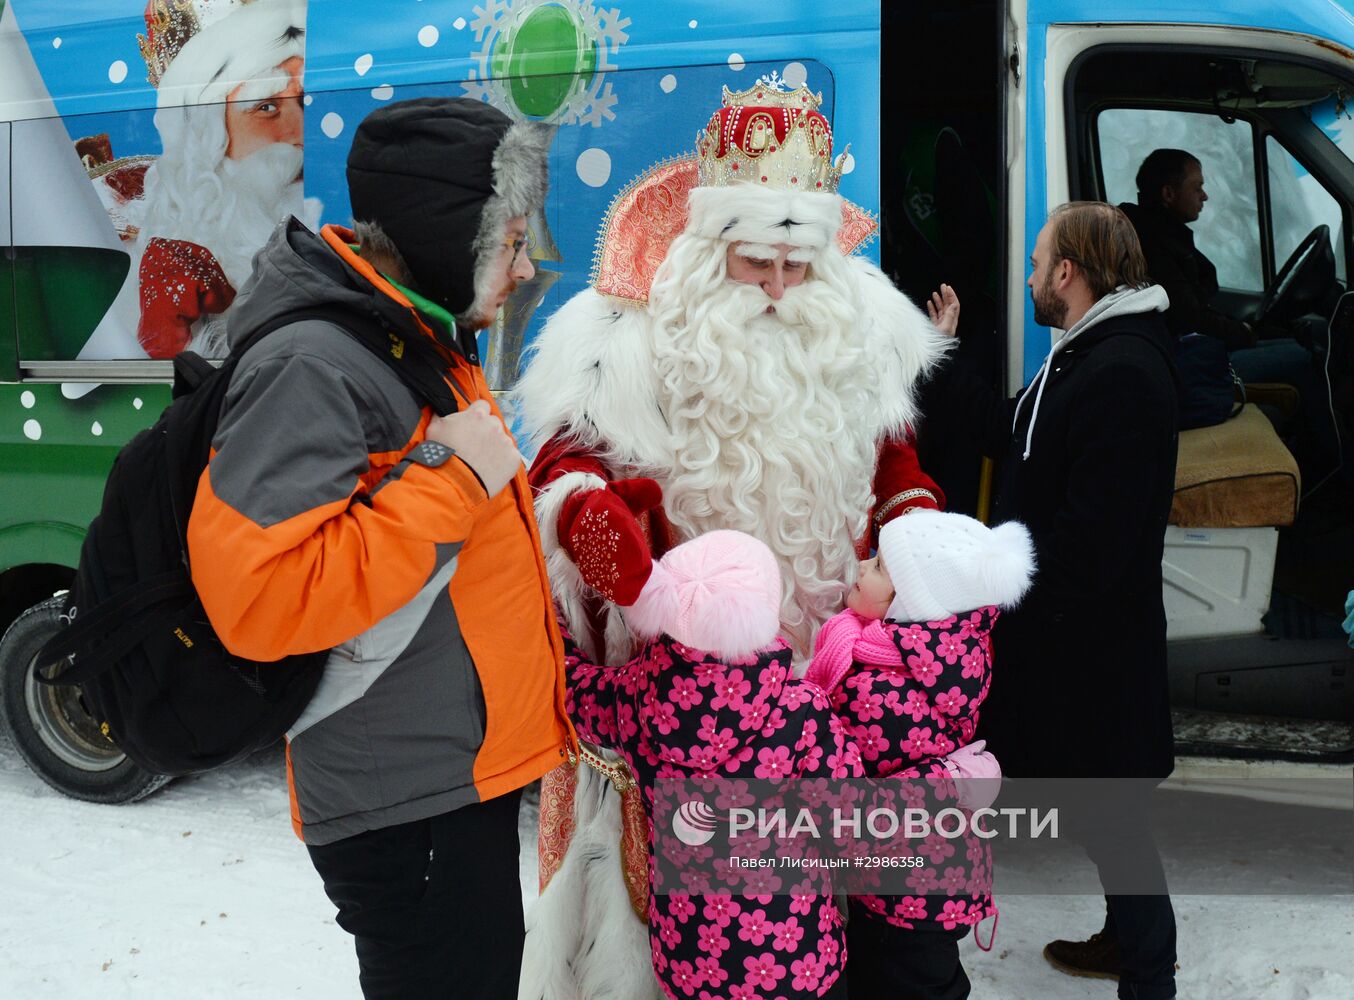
x=1171, y=195
x=1086, y=459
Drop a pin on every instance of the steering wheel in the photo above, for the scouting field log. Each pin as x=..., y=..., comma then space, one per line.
x=1300, y=279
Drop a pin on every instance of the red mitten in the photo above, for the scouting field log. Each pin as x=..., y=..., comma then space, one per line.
x=180, y=281
x=600, y=531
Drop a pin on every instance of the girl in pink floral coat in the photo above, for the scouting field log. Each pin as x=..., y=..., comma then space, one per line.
x=710, y=718
x=907, y=665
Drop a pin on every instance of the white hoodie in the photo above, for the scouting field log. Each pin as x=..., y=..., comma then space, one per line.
x=1123, y=301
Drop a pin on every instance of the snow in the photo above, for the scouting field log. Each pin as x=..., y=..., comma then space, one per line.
x=202, y=891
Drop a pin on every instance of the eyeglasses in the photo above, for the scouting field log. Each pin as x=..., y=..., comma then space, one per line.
x=517, y=244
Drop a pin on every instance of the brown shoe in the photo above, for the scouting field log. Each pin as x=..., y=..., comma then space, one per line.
x=1097, y=957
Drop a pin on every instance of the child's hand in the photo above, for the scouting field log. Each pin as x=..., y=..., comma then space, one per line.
x=977, y=775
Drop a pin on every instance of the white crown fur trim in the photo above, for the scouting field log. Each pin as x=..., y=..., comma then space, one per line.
x=749, y=213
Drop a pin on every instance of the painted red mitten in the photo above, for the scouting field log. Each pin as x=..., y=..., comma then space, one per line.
x=600, y=532
x=180, y=282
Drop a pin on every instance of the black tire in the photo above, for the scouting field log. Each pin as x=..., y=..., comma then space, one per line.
x=49, y=726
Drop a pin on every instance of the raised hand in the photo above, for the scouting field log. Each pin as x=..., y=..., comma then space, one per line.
x=943, y=308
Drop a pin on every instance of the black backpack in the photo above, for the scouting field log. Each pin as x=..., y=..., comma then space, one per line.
x=151, y=670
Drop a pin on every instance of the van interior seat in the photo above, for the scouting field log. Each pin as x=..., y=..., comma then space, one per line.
x=1236, y=474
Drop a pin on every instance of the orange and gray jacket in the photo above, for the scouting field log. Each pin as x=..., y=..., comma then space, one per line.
x=318, y=526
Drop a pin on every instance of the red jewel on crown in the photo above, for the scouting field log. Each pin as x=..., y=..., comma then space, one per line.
x=779, y=130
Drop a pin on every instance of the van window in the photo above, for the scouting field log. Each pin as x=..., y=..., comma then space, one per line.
x=1299, y=204
x=1228, y=230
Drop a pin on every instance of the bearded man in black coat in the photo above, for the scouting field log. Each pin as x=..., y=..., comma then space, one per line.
x=1086, y=459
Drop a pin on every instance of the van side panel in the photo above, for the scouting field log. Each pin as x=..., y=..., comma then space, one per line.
x=55, y=453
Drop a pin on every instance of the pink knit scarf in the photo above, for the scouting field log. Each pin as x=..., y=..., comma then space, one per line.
x=846, y=639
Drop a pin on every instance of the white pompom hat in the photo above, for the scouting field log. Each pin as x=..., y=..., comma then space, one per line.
x=942, y=564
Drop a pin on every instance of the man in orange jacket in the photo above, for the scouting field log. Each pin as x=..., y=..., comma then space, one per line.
x=337, y=513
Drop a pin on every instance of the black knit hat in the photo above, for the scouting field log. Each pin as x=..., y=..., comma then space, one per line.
x=441, y=177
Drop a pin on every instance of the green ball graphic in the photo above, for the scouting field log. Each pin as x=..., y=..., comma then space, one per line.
x=542, y=58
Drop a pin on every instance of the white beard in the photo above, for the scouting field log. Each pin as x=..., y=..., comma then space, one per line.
x=266, y=192
x=774, y=430
x=231, y=211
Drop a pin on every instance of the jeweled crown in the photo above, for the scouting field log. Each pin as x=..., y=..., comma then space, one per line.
x=769, y=135
x=171, y=24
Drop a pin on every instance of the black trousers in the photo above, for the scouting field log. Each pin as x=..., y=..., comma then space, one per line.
x=435, y=905
x=884, y=962
x=1145, y=929
x=1115, y=828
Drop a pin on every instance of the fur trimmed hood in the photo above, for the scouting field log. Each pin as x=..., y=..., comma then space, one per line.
x=441, y=177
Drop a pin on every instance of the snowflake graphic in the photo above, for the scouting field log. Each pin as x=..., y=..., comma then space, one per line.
x=588, y=103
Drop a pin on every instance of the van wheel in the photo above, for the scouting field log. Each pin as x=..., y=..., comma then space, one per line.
x=49, y=726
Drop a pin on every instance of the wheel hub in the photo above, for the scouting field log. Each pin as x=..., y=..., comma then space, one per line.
x=65, y=728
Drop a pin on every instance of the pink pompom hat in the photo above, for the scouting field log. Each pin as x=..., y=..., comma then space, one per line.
x=719, y=593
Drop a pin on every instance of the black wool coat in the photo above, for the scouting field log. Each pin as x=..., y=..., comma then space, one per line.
x=1190, y=279
x=1079, y=683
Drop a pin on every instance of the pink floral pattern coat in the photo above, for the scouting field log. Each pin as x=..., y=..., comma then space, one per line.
x=680, y=715
x=926, y=706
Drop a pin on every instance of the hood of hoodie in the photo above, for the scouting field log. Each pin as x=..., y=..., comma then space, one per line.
x=1123, y=301
x=298, y=269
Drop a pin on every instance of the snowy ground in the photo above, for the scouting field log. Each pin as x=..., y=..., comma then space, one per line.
x=202, y=891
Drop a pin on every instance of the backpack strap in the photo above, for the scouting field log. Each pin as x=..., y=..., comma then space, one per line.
x=190, y=371
x=416, y=360
x=95, y=641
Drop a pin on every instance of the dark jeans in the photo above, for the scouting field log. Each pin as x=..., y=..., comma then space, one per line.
x=1145, y=929
x=1115, y=829
x=1285, y=360
x=884, y=962
x=435, y=905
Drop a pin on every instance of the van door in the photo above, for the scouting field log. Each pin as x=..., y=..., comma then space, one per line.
x=9, y=358
x=943, y=178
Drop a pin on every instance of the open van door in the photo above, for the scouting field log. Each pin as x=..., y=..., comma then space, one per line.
x=1260, y=550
